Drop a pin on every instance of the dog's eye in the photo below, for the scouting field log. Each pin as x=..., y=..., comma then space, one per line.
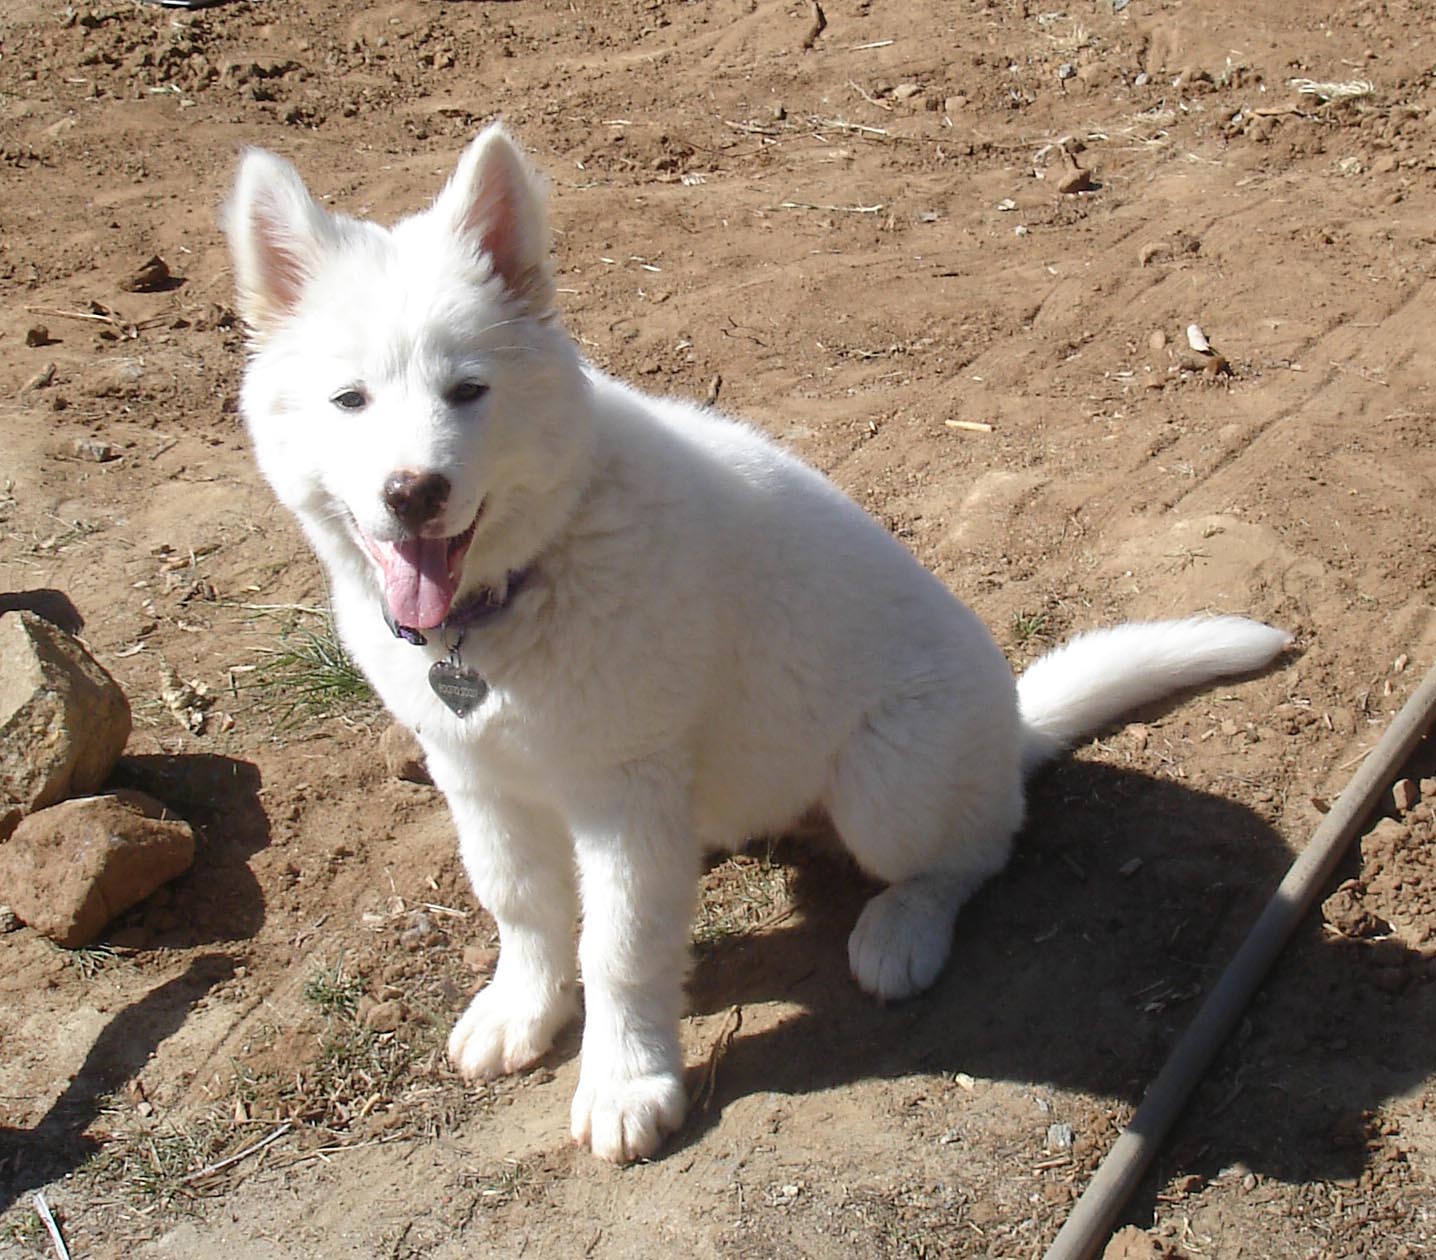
x=466, y=392
x=350, y=400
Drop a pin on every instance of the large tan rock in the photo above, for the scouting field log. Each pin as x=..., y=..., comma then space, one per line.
x=70, y=869
x=63, y=719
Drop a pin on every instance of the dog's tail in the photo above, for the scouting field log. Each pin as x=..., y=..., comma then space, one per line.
x=1090, y=681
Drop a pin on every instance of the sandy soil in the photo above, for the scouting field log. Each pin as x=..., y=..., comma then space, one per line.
x=855, y=237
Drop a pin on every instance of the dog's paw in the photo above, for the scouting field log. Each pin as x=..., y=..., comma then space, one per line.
x=902, y=939
x=503, y=1031
x=624, y=1120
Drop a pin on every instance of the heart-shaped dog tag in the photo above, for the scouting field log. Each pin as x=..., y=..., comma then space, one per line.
x=461, y=689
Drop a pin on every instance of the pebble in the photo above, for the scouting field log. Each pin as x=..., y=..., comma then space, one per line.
x=9, y=920
x=1405, y=795
x=1076, y=181
x=149, y=277
x=1066, y=71
x=384, y=1016
x=41, y=380
x=1158, y=340
x=906, y=91
x=37, y=335
x=96, y=450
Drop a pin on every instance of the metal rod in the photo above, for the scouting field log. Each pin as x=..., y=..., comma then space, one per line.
x=1090, y=1223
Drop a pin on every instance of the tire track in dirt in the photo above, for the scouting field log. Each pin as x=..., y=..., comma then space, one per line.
x=1393, y=328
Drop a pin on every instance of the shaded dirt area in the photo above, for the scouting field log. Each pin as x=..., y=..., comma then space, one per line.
x=855, y=237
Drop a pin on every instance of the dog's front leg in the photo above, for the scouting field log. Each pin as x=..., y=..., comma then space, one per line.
x=520, y=860
x=638, y=870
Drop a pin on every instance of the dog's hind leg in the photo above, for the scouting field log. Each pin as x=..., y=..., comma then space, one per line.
x=928, y=801
x=519, y=858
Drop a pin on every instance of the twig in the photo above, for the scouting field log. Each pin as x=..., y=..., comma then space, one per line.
x=868, y=96
x=753, y=128
x=820, y=24
x=732, y=1022
x=230, y=1161
x=51, y=1225
x=877, y=43
x=969, y=426
x=808, y=205
x=842, y=124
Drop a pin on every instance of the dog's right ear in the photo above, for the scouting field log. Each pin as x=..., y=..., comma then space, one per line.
x=277, y=234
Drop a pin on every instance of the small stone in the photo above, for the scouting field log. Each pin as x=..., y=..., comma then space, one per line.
x=1405, y=795
x=954, y=104
x=149, y=277
x=63, y=719
x=403, y=754
x=37, y=335
x=42, y=379
x=1158, y=340
x=1066, y=71
x=480, y=959
x=385, y=1016
x=96, y=450
x=1386, y=164
x=1142, y=79
x=1006, y=205
x=9, y=920
x=1130, y=867
x=1131, y=1243
x=1075, y=181
x=1059, y=1138
x=70, y=869
x=1428, y=788
x=906, y=91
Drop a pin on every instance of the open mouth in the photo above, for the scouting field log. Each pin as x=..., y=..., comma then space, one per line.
x=421, y=575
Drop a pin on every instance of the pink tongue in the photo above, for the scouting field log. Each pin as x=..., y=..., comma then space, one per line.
x=417, y=584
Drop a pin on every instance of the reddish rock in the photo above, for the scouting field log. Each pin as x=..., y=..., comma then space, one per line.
x=63, y=719
x=68, y=870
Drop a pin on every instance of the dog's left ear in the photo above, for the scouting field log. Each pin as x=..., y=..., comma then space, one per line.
x=494, y=200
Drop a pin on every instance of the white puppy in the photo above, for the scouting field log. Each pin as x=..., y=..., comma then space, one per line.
x=628, y=629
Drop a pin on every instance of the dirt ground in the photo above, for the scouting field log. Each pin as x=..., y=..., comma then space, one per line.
x=855, y=235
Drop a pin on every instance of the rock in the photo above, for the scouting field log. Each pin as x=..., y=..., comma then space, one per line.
x=1405, y=795
x=384, y=1016
x=70, y=869
x=1075, y=180
x=480, y=958
x=403, y=754
x=1131, y=1243
x=37, y=335
x=1386, y=164
x=63, y=719
x=1157, y=340
x=9, y=920
x=42, y=379
x=151, y=276
x=906, y=91
x=96, y=449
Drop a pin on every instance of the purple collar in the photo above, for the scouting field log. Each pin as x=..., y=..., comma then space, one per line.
x=478, y=607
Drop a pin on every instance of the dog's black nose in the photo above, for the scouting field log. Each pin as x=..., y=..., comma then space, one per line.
x=415, y=497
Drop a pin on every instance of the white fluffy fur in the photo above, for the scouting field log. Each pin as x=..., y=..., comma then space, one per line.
x=712, y=641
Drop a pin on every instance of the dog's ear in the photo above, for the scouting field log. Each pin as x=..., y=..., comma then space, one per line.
x=277, y=234
x=495, y=200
